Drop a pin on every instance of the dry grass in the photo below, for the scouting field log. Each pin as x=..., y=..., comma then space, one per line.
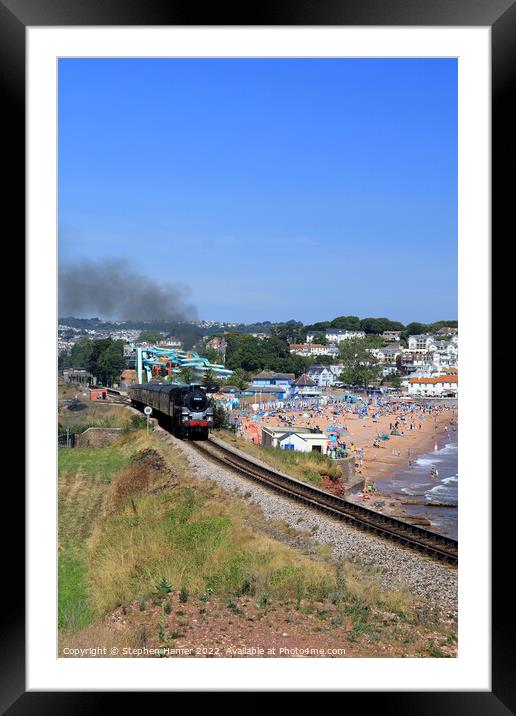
x=95, y=414
x=85, y=476
x=196, y=542
x=99, y=634
x=123, y=532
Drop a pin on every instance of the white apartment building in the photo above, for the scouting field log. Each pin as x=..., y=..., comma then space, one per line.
x=309, y=350
x=446, y=352
x=421, y=343
x=335, y=335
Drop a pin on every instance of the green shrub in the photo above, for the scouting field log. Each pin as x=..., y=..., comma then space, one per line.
x=138, y=422
x=234, y=609
x=163, y=587
x=263, y=600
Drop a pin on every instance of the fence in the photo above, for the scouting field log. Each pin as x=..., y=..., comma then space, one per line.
x=66, y=439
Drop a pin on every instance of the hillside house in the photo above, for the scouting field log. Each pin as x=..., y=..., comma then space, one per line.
x=421, y=343
x=391, y=335
x=311, y=350
x=325, y=376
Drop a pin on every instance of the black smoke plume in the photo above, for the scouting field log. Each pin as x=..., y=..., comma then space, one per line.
x=112, y=289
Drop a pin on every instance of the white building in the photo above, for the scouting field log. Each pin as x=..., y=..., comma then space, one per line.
x=435, y=387
x=445, y=353
x=309, y=350
x=421, y=343
x=300, y=439
x=388, y=369
x=411, y=361
x=387, y=354
x=325, y=376
x=391, y=335
x=335, y=335
x=170, y=343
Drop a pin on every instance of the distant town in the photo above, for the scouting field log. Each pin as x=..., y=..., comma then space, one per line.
x=415, y=359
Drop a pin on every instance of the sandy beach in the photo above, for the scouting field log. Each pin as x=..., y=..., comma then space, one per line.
x=421, y=430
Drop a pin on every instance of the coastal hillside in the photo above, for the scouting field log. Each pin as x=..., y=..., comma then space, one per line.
x=156, y=561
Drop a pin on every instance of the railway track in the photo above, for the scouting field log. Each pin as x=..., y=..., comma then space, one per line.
x=115, y=396
x=430, y=543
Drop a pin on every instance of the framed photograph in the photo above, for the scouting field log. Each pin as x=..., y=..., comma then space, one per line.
x=256, y=248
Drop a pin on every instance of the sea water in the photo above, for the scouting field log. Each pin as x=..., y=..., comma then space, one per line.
x=415, y=482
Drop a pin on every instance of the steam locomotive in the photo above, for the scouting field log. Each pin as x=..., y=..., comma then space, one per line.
x=184, y=408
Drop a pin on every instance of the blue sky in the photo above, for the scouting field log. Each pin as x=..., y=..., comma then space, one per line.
x=271, y=188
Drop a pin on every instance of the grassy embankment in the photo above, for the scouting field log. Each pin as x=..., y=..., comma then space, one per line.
x=138, y=534
x=306, y=466
x=85, y=475
x=93, y=415
x=150, y=542
x=122, y=532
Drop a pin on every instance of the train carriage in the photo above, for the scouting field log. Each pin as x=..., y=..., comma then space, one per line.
x=184, y=408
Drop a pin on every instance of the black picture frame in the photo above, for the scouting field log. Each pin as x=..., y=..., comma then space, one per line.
x=500, y=15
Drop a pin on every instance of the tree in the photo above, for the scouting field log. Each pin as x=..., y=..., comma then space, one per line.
x=373, y=341
x=220, y=417
x=444, y=324
x=321, y=360
x=291, y=331
x=360, y=366
x=102, y=358
x=81, y=352
x=379, y=325
x=244, y=351
x=187, y=374
x=320, y=338
x=394, y=380
x=240, y=378
x=96, y=350
x=111, y=362
x=347, y=323
x=150, y=336
x=63, y=360
x=212, y=355
x=210, y=381
x=415, y=329
x=253, y=355
x=320, y=326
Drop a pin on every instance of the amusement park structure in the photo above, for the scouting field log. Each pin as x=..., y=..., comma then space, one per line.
x=156, y=361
